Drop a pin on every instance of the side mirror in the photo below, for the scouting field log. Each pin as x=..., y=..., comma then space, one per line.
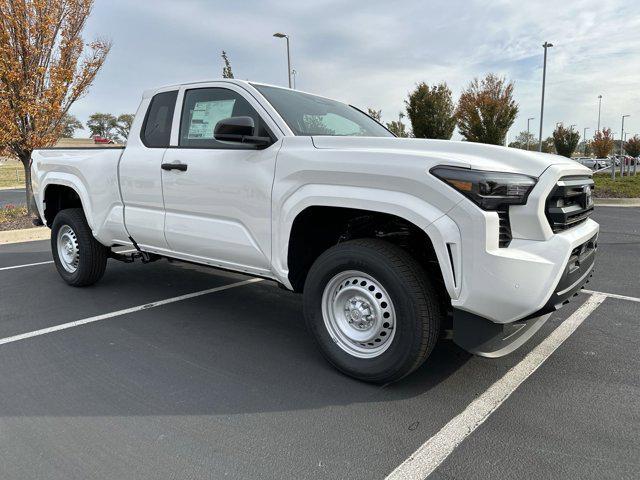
x=239, y=130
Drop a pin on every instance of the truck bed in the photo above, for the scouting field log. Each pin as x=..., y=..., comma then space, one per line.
x=97, y=170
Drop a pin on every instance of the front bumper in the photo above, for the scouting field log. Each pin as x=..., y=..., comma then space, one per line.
x=483, y=337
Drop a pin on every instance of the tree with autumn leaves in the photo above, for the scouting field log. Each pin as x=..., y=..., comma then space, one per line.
x=45, y=66
x=602, y=143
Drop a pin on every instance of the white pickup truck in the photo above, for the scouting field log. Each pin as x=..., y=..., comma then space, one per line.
x=391, y=241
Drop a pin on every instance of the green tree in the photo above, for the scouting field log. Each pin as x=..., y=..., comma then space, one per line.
x=226, y=68
x=632, y=146
x=102, y=124
x=548, y=146
x=375, y=114
x=70, y=125
x=486, y=110
x=525, y=141
x=123, y=125
x=398, y=127
x=565, y=140
x=431, y=111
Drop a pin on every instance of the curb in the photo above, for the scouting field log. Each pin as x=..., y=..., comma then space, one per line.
x=24, y=235
x=18, y=187
x=617, y=202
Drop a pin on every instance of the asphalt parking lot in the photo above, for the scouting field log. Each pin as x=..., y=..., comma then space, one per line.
x=226, y=383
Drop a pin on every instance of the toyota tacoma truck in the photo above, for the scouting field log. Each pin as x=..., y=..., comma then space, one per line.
x=391, y=241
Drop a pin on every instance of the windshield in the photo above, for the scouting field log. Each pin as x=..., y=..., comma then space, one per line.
x=311, y=115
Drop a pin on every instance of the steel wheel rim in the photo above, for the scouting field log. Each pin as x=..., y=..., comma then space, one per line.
x=358, y=314
x=68, y=251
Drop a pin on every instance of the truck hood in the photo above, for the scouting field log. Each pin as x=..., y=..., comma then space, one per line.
x=478, y=156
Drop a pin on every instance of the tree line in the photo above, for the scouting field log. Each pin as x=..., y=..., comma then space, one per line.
x=104, y=125
x=484, y=112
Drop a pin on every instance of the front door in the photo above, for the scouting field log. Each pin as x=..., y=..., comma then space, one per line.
x=217, y=195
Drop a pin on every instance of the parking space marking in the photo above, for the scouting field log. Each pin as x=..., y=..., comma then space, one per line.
x=435, y=450
x=46, y=263
x=615, y=295
x=105, y=316
x=26, y=265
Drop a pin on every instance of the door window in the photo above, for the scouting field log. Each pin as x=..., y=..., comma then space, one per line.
x=156, y=131
x=203, y=108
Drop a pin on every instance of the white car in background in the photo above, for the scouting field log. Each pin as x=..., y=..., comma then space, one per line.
x=390, y=240
x=594, y=163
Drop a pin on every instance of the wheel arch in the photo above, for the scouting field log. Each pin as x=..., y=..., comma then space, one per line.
x=61, y=193
x=311, y=218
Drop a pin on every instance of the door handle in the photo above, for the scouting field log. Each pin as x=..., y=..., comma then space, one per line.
x=175, y=166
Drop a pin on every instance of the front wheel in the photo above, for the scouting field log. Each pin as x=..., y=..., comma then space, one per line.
x=372, y=310
x=80, y=259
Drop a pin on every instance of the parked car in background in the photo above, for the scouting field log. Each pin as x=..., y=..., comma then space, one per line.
x=102, y=140
x=594, y=163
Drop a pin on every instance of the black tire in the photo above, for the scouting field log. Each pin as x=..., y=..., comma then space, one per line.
x=417, y=308
x=92, y=255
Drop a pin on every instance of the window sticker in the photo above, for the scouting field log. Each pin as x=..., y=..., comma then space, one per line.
x=206, y=115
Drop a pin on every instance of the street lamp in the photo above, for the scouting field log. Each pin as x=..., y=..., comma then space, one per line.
x=528, y=120
x=622, y=162
x=584, y=139
x=544, y=77
x=295, y=74
x=283, y=35
x=599, y=107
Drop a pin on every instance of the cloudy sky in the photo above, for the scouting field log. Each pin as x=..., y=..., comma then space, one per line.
x=372, y=53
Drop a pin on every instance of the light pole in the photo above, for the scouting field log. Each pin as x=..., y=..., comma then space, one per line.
x=599, y=107
x=528, y=120
x=544, y=78
x=622, y=162
x=283, y=35
x=584, y=139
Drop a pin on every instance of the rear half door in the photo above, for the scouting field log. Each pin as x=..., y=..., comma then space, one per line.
x=140, y=170
x=218, y=207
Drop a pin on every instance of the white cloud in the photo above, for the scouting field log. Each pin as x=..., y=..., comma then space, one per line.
x=372, y=53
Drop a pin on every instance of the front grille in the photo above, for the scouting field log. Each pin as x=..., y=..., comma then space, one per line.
x=570, y=203
x=505, y=228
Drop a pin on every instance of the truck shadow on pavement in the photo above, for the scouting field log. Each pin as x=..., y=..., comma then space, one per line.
x=242, y=350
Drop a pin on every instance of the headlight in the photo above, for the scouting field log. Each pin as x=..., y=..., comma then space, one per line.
x=488, y=190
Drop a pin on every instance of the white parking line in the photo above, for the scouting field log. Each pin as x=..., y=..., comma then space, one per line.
x=435, y=450
x=26, y=265
x=615, y=295
x=146, y=306
x=46, y=263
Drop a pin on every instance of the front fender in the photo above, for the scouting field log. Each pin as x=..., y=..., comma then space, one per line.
x=440, y=229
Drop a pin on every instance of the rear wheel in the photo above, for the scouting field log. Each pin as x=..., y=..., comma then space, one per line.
x=80, y=259
x=372, y=310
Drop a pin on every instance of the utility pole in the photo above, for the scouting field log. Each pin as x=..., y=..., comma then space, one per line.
x=584, y=139
x=284, y=35
x=528, y=120
x=622, y=162
x=546, y=45
x=599, y=107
